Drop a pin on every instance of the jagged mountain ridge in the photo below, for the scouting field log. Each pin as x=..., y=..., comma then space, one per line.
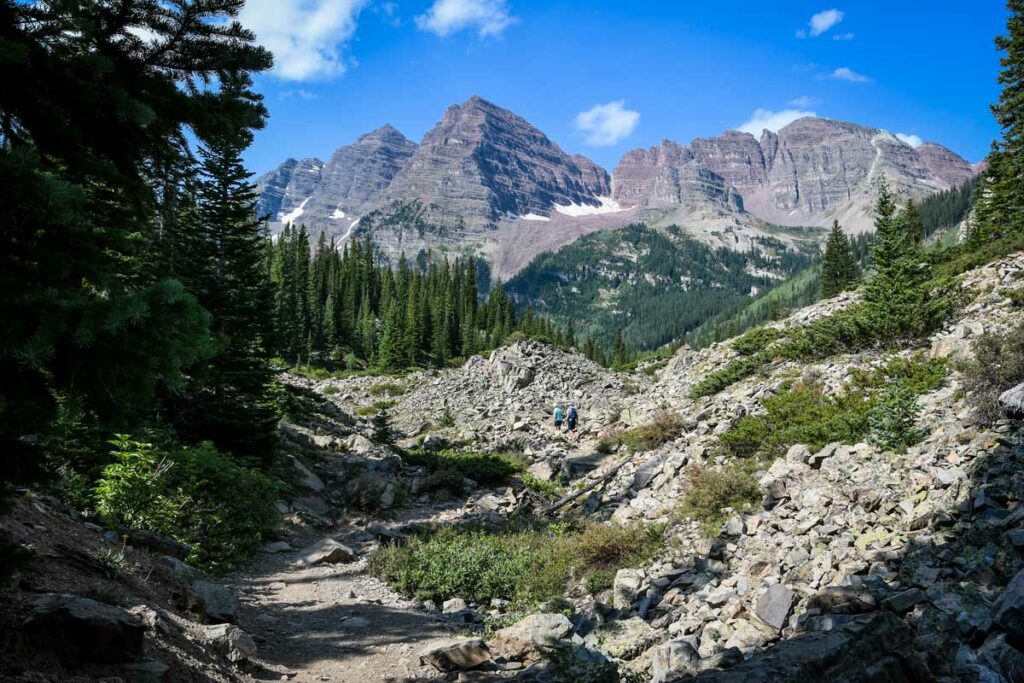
x=485, y=181
x=812, y=171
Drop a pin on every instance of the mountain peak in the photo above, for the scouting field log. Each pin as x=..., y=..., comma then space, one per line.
x=385, y=132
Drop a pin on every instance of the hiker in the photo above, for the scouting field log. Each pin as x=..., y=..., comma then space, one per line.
x=571, y=419
x=559, y=418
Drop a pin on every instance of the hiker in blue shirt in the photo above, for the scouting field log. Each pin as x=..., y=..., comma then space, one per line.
x=571, y=419
x=559, y=417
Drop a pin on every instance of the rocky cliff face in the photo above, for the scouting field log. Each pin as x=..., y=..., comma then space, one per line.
x=482, y=162
x=812, y=171
x=283, y=190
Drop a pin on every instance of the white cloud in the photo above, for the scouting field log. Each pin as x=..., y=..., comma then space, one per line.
x=803, y=101
x=843, y=36
x=844, y=73
x=821, y=23
x=301, y=93
x=487, y=17
x=772, y=120
x=607, y=124
x=307, y=37
x=912, y=140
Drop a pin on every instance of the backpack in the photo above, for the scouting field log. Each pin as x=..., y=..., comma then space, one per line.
x=572, y=413
x=558, y=414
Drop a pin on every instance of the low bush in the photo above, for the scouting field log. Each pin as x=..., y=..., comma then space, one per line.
x=545, y=489
x=997, y=365
x=709, y=491
x=524, y=566
x=193, y=494
x=449, y=480
x=737, y=369
x=662, y=429
x=375, y=407
x=803, y=413
x=756, y=340
x=387, y=389
x=330, y=390
x=483, y=468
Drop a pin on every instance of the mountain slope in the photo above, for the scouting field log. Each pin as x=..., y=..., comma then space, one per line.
x=653, y=284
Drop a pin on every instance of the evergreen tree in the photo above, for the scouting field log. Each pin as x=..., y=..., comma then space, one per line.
x=897, y=293
x=838, y=270
x=1000, y=207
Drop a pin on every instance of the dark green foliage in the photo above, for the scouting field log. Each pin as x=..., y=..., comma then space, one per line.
x=947, y=208
x=1001, y=195
x=709, y=491
x=997, y=365
x=737, y=369
x=525, y=566
x=191, y=493
x=893, y=419
x=756, y=340
x=483, y=468
x=343, y=309
x=449, y=480
x=646, y=437
x=805, y=414
x=673, y=284
x=838, y=269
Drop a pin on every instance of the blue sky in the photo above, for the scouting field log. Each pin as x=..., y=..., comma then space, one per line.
x=601, y=77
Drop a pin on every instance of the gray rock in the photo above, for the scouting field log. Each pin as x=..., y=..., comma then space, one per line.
x=626, y=588
x=904, y=601
x=78, y=629
x=774, y=606
x=434, y=442
x=1008, y=611
x=460, y=655
x=217, y=601
x=843, y=600
x=276, y=547
x=327, y=551
x=232, y=642
x=304, y=476
x=454, y=605
x=624, y=639
x=529, y=636
x=674, y=659
x=312, y=504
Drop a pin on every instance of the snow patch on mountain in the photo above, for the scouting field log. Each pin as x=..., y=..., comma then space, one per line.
x=608, y=205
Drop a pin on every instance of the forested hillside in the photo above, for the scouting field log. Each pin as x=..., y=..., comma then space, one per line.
x=652, y=285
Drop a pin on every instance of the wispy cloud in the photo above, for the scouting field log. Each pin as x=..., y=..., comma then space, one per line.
x=820, y=23
x=844, y=73
x=803, y=101
x=912, y=140
x=843, y=36
x=488, y=18
x=301, y=93
x=307, y=37
x=763, y=119
x=607, y=124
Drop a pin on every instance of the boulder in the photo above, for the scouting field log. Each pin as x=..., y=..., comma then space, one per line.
x=304, y=476
x=327, y=551
x=624, y=639
x=454, y=605
x=843, y=600
x=434, y=442
x=312, y=505
x=527, y=637
x=231, y=641
x=674, y=659
x=456, y=656
x=626, y=588
x=774, y=606
x=78, y=629
x=1008, y=611
x=1012, y=401
x=164, y=545
x=218, y=602
x=879, y=647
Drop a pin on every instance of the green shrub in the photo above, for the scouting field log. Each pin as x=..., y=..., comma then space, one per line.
x=450, y=480
x=545, y=489
x=1016, y=296
x=737, y=369
x=191, y=493
x=662, y=429
x=756, y=340
x=375, y=407
x=525, y=566
x=364, y=492
x=330, y=390
x=893, y=419
x=803, y=413
x=709, y=491
x=483, y=468
x=387, y=389
x=997, y=365
x=447, y=419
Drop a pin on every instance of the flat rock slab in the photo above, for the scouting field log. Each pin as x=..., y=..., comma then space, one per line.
x=79, y=629
x=457, y=656
x=774, y=606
